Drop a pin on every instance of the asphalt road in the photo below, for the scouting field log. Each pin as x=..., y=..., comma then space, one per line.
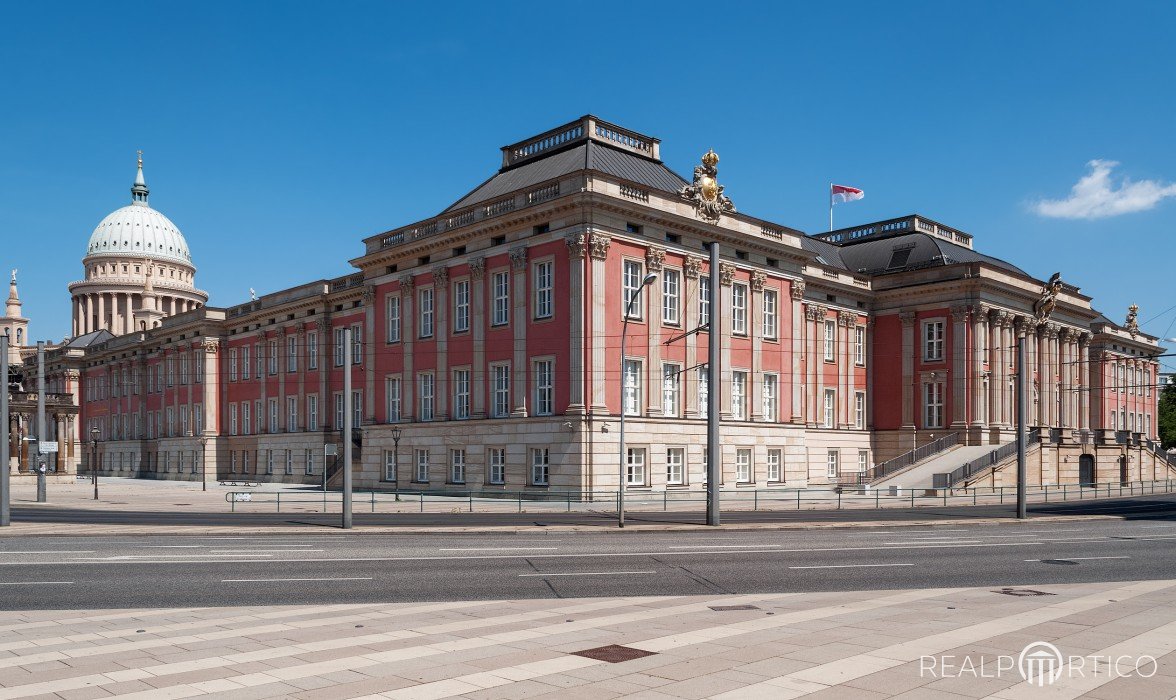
x=1145, y=507
x=345, y=567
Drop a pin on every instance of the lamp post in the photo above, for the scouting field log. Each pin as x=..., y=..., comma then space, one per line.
x=649, y=279
x=203, y=462
x=396, y=433
x=94, y=459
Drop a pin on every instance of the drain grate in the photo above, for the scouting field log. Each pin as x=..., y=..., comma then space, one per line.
x=725, y=608
x=613, y=653
x=1022, y=592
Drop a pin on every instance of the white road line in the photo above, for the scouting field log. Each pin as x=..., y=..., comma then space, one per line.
x=174, y=546
x=261, y=551
x=934, y=543
x=1075, y=558
x=274, y=580
x=591, y=573
x=36, y=583
x=847, y=566
x=498, y=549
x=52, y=551
x=723, y=546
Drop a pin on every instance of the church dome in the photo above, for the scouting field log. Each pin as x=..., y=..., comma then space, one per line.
x=137, y=230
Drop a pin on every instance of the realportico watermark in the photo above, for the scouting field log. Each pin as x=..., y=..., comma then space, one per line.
x=1039, y=664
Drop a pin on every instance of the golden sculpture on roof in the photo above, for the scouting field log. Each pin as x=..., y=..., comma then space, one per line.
x=705, y=191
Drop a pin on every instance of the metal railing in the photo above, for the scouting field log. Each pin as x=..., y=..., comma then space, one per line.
x=598, y=502
x=907, y=459
x=992, y=459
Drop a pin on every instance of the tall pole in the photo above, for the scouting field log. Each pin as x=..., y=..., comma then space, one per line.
x=1021, y=434
x=41, y=496
x=622, y=457
x=5, y=509
x=830, y=206
x=347, y=412
x=714, y=467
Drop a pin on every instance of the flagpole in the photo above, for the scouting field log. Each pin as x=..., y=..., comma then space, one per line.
x=830, y=206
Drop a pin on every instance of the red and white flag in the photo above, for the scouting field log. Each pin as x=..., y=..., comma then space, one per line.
x=843, y=194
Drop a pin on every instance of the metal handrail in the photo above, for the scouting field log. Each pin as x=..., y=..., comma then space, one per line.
x=906, y=459
x=966, y=470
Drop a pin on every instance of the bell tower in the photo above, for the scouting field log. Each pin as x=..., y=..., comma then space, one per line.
x=15, y=326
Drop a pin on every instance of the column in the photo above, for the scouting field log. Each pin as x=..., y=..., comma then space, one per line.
x=441, y=333
x=999, y=368
x=212, y=378
x=721, y=305
x=598, y=249
x=1084, y=383
x=520, y=318
x=845, y=323
x=691, y=289
x=577, y=244
x=655, y=259
x=102, y=311
x=755, y=331
x=478, y=328
x=797, y=379
x=979, y=331
x=908, y=369
x=959, y=367
x=407, y=340
x=369, y=354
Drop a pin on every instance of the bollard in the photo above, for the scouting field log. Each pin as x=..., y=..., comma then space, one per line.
x=569, y=501
x=798, y=499
x=422, y=501
x=471, y=501
x=755, y=499
x=876, y=496
x=838, y=500
x=279, y=501
x=521, y=501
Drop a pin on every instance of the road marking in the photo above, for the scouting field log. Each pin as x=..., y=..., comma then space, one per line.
x=262, y=551
x=147, y=557
x=937, y=543
x=36, y=583
x=274, y=580
x=498, y=549
x=53, y=551
x=592, y=573
x=847, y=566
x=723, y=546
x=1076, y=558
x=174, y=546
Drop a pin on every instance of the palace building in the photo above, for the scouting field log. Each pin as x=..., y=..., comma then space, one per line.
x=486, y=351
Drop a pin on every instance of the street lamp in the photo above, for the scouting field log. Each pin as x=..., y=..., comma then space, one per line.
x=649, y=279
x=94, y=459
x=203, y=461
x=396, y=433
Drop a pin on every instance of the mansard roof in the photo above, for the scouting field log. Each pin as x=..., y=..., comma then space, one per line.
x=585, y=144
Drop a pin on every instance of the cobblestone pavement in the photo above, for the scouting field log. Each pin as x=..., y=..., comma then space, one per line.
x=939, y=643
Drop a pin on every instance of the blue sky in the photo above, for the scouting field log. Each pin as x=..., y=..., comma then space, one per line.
x=277, y=135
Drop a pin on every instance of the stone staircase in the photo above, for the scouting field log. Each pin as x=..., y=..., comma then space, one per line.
x=922, y=475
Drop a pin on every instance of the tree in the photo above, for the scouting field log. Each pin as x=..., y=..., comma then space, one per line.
x=1167, y=417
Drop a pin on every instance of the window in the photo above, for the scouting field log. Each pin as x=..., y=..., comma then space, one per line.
x=392, y=394
x=392, y=318
x=831, y=464
x=171, y=374
x=770, y=317
x=859, y=346
x=340, y=411
x=769, y=397
x=703, y=393
x=312, y=350
x=269, y=461
x=259, y=353
x=739, y=309
x=309, y=461
x=859, y=410
x=244, y=461
x=1147, y=381
x=704, y=295
x=632, y=388
x=863, y=461
x=183, y=368
x=739, y=395
x=461, y=394
x=457, y=466
x=632, y=287
x=544, y=387
x=245, y=418
x=544, y=278
x=291, y=353
x=340, y=334
x=933, y=405
x=425, y=300
x=540, y=466
x=289, y=462
x=390, y=463
x=273, y=415
x=501, y=390
x=356, y=344
x=830, y=340
x=233, y=462
x=497, y=471
x=291, y=414
x=671, y=291
x=500, y=285
x=675, y=466
x=933, y=341
x=743, y=466
x=461, y=306
x=829, y=406
x=312, y=412
x=426, y=382
x=356, y=409
x=233, y=365
x=422, y=466
x=775, y=459
x=273, y=356
x=232, y=419
x=635, y=467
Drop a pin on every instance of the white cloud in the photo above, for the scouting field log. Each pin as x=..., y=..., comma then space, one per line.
x=1097, y=195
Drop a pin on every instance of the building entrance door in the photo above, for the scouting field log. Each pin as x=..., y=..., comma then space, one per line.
x=1086, y=470
x=1124, y=477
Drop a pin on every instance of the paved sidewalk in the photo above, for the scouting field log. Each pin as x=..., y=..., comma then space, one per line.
x=824, y=645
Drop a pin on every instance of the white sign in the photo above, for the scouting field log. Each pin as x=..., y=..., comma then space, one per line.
x=47, y=447
x=331, y=450
x=242, y=497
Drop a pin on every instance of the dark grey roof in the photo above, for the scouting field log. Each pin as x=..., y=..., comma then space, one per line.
x=85, y=341
x=588, y=155
x=827, y=253
x=908, y=251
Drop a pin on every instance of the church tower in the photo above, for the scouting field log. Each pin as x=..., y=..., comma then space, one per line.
x=15, y=326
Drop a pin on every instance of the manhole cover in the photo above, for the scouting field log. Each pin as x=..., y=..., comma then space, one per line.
x=613, y=653
x=1059, y=562
x=725, y=608
x=1022, y=592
